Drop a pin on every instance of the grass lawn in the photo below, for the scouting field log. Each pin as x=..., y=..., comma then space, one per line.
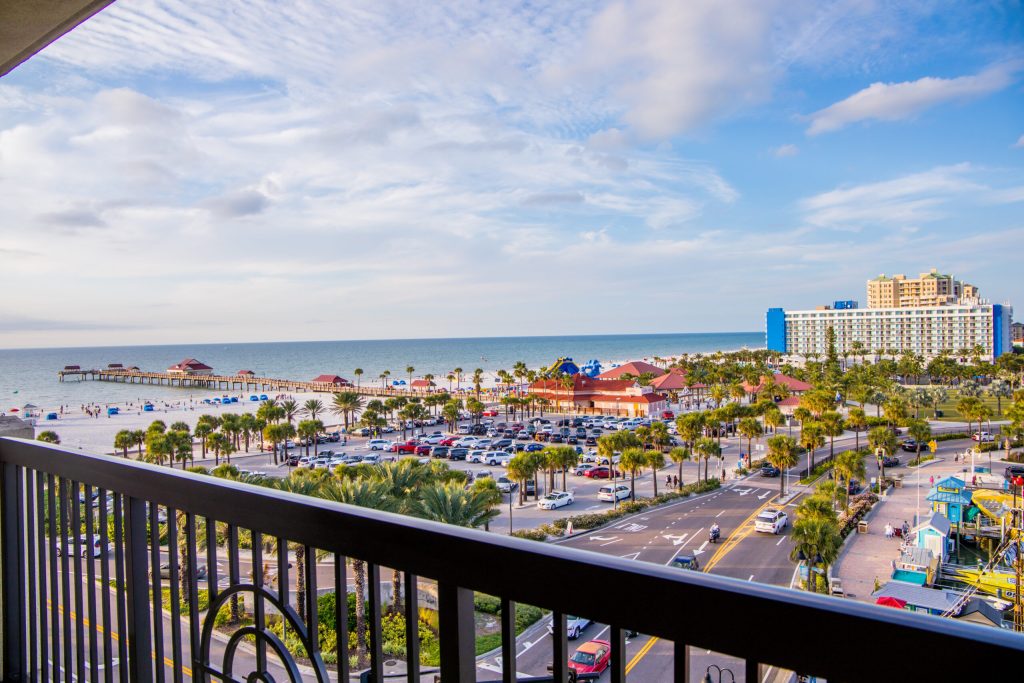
x=950, y=413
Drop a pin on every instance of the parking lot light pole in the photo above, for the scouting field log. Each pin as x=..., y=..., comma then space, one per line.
x=510, y=494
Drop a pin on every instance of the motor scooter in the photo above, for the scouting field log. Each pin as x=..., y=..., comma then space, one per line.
x=713, y=535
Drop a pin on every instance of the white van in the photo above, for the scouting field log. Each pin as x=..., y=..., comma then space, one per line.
x=378, y=445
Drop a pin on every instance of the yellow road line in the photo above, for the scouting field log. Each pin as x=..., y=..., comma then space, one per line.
x=113, y=634
x=742, y=531
x=640, y=655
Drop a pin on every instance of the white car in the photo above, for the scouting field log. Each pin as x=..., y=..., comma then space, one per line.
x=583, y=467
x=476, y=456
x=378, y=445
x=497, y=458
x=556, y=499
x=466, y=442
x=372, y=459
x=982, y=437
x=432, y=439
x=610, y=493
x=463, y=429
x=771, y=521
x=506, y=485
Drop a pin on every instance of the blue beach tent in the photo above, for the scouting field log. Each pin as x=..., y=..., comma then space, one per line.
x=254, y=397
x=148, y=408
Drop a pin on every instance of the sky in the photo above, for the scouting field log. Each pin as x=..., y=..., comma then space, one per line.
x=176, y=172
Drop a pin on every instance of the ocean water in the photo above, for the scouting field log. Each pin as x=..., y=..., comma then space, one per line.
x=30, y=375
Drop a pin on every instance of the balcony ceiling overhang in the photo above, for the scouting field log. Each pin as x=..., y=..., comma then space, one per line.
x=27, y=26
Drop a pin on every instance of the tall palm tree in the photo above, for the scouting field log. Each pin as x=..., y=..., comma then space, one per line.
x=817, y=540
x=478, y=378
x=831, y=426
x=346, y=404
x=458, y=378
x=811, y=438
x=291, y=409
x=409, y=370
x=655, y=460
x=358, y=372
x=706, y=448
x=849, y=465
x=782, y=454
x=856, y=420
x=751, y=429
x=679, y=455
x=124, y=440
x=369, y=494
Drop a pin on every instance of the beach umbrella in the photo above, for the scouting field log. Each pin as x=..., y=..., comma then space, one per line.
x=889, y=601
x=14, y=410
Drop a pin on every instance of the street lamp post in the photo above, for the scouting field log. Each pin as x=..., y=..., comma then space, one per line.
x=720, y=670
x=510, y=494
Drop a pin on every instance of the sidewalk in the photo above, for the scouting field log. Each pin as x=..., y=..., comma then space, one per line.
x=866, y=557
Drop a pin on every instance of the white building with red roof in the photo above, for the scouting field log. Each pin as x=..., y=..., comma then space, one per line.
x=245, y=373
x=596, y=395
x=634, y=368
x=190, y=366
x=422, y=384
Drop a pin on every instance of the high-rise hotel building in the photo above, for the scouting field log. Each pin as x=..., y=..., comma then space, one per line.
x=929, y=315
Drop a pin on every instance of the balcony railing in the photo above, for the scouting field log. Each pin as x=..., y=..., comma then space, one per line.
x=79, y=608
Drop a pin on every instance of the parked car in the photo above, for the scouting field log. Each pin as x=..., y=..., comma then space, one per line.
x=890, y=461
x=531, y=447
x=439, y=452
x=97, y=546
x=407, y=447
x=909, y=445
x=165, y=571
x=498, y=458
x=854, y=487
x=458, y=453
x=432, y=439
x=982, y=437
x=770, y=471
x=530, y=487
x=602, y=472
x=423, y=449
x=771, y=521
x=592, y=657
x=489, y=413
x=582, y=468
x=574, y=626
x=448, y=441
x=378, y=445
x=556, y=499
x=371, y=459
x=476, y=455
x=612, y=492
x=667, y=415
x=506, y=485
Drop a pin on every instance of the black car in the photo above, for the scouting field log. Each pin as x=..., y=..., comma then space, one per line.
x=854, y=487
x=458, y=453
x=909, y=445
x=478, y=430
x=501, y=443
x=890, y=461
x=581, y=432
x=572, y=440
x=597, y=431
x=333, y=437
x=591, y=441
x=556, y=438
x=293, y=459
x=770, y=471
x=577, y=422
x=439, y=452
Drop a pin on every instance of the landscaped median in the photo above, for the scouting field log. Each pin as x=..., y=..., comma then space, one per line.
x=594, y=520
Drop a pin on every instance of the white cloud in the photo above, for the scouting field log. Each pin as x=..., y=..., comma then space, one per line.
x=898, y=101
x=785, y=151
x=910, y=199
x=1020, y=142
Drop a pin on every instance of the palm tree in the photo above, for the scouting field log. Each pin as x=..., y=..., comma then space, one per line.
x=856, y=420
x=831, y=426
x=679, y=455
x=219, y=443
x=139, y=438
x=478, y=378
x=921, y=432
x=124, y=440
x=781, y=454
x=458, y=378
x=451, y=503
x=632, y=460
x=521, y=468
x=346, y=404
x=655, y=460
x=937, y=395
x=358, y=372
x=368, y=494
x=305, y=486
x=883, y=442
x=817, y=540
x=384, y=378
x=560, y=458
x=772, y=418
x=409, y=370
x=849, y=465
x=291, y=409
x=706, y=448
x=1000, y=389
x=750, y=428
x=811, y=438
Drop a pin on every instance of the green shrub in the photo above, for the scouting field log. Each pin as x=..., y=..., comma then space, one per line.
x=925, y=457
x=952, y=436
x=530, y=534
x=486, y=603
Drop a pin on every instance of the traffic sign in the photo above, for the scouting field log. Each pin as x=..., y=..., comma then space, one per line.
x=933, y=446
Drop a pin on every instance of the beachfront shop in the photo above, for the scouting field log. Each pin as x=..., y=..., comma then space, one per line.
x=951, y=499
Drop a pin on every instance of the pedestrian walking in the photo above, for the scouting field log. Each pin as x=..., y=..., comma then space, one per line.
x=906, y=529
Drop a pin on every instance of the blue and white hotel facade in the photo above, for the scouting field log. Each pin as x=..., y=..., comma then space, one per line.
x=927, y=331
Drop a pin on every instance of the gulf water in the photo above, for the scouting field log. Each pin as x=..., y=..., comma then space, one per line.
x=30, y=375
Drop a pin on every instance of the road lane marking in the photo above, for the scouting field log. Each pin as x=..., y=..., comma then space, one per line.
x=751, y=578
x=631, y=556
x=640, y=655
x=614, y=540
x=720, y=514
x=780, y=541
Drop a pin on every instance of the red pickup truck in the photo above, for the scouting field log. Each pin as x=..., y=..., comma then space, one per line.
x=407, y=447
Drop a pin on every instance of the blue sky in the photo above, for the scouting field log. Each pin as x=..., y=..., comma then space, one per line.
x=199, y=172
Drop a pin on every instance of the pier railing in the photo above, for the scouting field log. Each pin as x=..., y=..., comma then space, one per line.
x=118, y=570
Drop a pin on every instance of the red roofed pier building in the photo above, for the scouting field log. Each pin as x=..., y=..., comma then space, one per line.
x=336, y=380
x=605, y=396
x=190, y=366
x=634, y=368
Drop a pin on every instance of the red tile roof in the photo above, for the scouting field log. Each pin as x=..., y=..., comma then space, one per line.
x=190, y=364
x=635, y=368
x=642, y=398
x=673, y=381
x=330, y=379
x=790, y=383
x=245, y=372
x=418, y=383
x=583, y=384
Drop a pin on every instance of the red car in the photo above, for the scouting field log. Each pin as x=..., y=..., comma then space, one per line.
x=423, y=449
x=667, y=415
x=600, y=473
x=592, y=657
x=450, y=441
x=490, y=413
x=407, y=447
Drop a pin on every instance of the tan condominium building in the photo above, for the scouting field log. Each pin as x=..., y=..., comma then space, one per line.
x=928, y=289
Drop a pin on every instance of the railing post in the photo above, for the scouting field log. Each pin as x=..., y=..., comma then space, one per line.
x=457, y=633
x=11, y=538
x=140, y=666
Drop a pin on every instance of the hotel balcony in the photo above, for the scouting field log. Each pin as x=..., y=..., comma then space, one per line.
x=84, y=608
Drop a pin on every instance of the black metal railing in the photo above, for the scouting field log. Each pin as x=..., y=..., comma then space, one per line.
x=117, y=570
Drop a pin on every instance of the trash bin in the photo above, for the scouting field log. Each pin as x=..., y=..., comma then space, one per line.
x=898, y=482
x=862, y=527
